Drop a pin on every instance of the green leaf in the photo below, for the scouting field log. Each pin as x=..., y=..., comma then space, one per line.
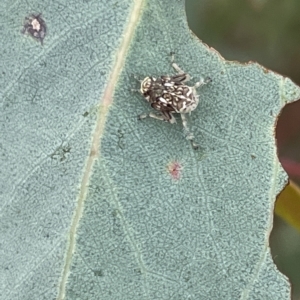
x=98, y=205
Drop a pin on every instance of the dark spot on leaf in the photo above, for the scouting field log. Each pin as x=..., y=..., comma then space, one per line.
x=138, y=271
x=115, y=213
x=120, y=135
x=61, y=152
x=35, y=26
x=98, y=273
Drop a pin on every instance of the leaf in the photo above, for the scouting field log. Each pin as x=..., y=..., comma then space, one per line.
x=98, y=205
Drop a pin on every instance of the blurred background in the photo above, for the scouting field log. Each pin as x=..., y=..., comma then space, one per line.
x=266, y=31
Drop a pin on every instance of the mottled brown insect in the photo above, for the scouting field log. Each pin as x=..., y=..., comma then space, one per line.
x=169, y=95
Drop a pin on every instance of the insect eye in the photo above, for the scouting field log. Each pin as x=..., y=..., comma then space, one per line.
x=146, y=83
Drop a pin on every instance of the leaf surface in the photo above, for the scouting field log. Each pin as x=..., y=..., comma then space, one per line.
x=98, y=205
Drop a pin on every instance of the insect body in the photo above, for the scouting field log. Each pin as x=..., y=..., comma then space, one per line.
x=169, y=95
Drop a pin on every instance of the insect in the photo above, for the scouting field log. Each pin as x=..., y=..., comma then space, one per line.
x=169, y=95
x=35, y=26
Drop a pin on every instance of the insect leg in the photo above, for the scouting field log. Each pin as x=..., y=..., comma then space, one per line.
x=178, y=69
x=189, y=135
x=152, y=115
x=140, y=81
x=160, y=117
x=202, y=82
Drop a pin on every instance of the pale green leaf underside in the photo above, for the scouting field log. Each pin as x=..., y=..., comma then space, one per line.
x=120, y=227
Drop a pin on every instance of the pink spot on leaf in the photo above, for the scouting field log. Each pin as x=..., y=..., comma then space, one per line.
x=175, y=169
